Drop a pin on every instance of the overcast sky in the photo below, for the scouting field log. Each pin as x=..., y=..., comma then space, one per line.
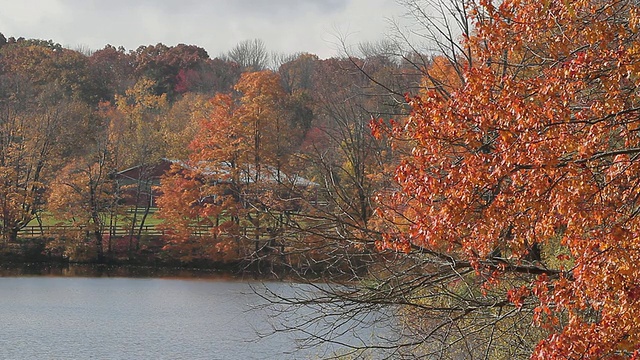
x=286, y=26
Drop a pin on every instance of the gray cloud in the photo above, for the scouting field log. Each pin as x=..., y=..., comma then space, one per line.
x=286, y=26
x=287, y=7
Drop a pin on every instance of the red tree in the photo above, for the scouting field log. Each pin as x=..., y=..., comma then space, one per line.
x=537, y=150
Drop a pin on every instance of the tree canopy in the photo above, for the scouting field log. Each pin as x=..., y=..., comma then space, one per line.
x=535, y=151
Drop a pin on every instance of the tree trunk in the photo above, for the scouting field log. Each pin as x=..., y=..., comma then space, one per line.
x=13, y=235
x=147, y=209
x=98, y=236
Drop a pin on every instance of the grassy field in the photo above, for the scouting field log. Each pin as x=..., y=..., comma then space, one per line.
x=49, y=219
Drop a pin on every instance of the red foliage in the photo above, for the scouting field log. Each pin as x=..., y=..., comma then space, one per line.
x=538, y=146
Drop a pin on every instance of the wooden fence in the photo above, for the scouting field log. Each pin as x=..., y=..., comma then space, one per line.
x=62, y=230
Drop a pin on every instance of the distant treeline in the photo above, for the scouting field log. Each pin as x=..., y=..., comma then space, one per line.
x=71, y=120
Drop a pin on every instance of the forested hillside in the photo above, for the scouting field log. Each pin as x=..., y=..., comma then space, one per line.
x=72, y=121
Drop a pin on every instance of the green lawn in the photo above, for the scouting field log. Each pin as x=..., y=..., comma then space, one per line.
x=49, y=219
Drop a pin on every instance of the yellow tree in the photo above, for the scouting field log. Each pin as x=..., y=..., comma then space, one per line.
x=138, y=125
x=142, y=112
x=34, y=134
x=85, y=194
x=181, y=123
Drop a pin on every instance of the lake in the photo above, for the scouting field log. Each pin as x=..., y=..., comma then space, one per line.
x=52, y=317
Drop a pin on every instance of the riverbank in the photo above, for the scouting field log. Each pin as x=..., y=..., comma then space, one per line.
x=109, y=270
x=36, y=256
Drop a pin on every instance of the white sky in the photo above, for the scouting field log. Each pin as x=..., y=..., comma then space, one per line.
x=286, y=26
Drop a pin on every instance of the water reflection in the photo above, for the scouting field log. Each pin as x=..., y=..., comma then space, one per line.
x=81, y=270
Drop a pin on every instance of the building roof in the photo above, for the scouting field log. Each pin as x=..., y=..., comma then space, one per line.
x=221, y=171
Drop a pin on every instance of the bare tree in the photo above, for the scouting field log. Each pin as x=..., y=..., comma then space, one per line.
x=251, y=55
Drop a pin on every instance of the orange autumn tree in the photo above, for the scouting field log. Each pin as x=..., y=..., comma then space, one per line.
x=526, y=174
x=198, y=217
x=239, y=151
x=192, y=194
x=263, y=164
x=262, y=122
x=84, y=193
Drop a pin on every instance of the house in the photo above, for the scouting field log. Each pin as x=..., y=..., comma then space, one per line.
x=139, y=183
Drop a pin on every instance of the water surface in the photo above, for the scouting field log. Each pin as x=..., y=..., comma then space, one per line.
x=145, y=318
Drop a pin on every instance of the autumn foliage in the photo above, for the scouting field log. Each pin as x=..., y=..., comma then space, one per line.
x=537, y=148
x=515, y=194
x=238, y=143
